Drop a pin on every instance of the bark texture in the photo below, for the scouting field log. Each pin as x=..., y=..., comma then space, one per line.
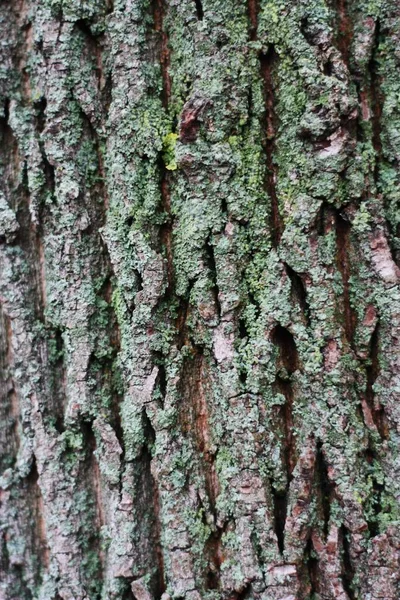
x=199, y=299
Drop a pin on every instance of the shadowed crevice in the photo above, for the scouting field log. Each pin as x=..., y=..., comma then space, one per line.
x=325, y=488
x=268, y=67
x=97, y=187
x=244, y=594
x=57, y=378
x=325, y=218
x=9, y=401
x=288, y=355
x=347, y=571
x=40, y=119
x=376, y=96
x=39, y=107
x=199, y=9
x=287, y=364
x=299, y=293
x=372, y=372
x=166, y=229
x=312, y=576
x=280, y=505
x=375, y=508
x=344, y=257
x=161, y=384
x=93, y=43
x=49, y=174
x=128, y=594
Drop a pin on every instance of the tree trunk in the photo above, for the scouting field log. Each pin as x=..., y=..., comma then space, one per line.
x=200, y=309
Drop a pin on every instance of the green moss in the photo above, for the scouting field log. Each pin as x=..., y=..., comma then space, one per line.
x=169, y=143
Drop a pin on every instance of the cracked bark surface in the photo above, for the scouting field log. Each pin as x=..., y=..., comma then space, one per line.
x=199, y=300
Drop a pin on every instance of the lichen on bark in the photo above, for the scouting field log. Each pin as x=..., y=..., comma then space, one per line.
x=199, y=300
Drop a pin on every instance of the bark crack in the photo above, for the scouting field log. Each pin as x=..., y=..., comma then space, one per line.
x=343, y=242
x=268, y=63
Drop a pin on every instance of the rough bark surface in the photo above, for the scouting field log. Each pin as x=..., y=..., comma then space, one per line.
x=199, y=299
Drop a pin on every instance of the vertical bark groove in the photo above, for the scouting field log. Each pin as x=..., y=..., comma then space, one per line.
x=347, y=568
x=344, y=265
x=268, y=62
x=325, y=488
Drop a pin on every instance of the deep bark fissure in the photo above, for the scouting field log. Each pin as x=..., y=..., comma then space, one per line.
x=49, y=174
x=343, y=245
x=242, y=327
x=166, y=230
x=199, y=9
x=268, y=64
x=97, y=188
x=9, y=405
x=40, y=119
x=376, y=97
x=83, y=25
x=243, y=594
x=372, y=372
x=280, y=505
x=325, y=488
x=214, y=553
x=323, y=219
x=159, y=8
x=288, y=354
x=287, y=364
x=58, y=374
x=149, y=489
x=102, y=369
x=252, y=11
x=161, y=382
x=347, y=574
x=4, y=555
x=299, y=293
x=344, y=33
x=286, y=412
x=376, y=508
x=128, y=594
x=311, y=573
x=40, y=115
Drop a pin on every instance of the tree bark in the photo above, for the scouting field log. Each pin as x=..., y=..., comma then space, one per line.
x=199, y=299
